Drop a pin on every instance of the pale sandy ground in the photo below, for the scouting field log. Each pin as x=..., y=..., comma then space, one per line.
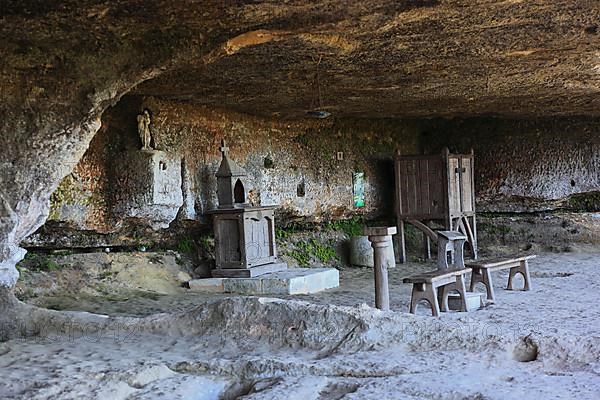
x=261, y=349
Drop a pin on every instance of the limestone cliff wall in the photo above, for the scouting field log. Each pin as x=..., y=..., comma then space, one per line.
x=304, y=166
x=528, y=164
x=295, y=163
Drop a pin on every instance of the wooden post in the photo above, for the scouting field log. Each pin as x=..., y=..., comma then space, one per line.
x=426, y=246
x=402, y=242
x=378, y=236
x=447, y=190
x=474, y=225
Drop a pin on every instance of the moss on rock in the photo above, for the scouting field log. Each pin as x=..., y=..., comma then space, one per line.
x=584, y=202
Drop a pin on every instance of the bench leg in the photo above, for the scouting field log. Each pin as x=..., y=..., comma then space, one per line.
x=461, y=287
x=415, y=297
x=459, y=255
x=442, y=258
x=431, y=296
x=462, y=290
x=523, y=269
x=444, y=296
x=428, y=292
x=487, y=281
x=484, y=276
x=476, y=277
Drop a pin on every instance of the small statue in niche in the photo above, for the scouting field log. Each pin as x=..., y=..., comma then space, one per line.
x=144, y=129
x=254, y=198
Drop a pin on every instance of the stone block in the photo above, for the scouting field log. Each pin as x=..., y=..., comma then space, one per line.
x=207, y=285
x=151, y=187
x=275, y=284
x=311, y=280
x=291, y=281
x=248, y=272
x=243, y=285
x=300, y=281
x=474, y=301
x=361, y=252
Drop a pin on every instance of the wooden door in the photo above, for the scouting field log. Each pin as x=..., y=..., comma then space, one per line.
x=419, y=187
x=454, y=184
x=461, y=196
x=466, y=186
x=227, y=242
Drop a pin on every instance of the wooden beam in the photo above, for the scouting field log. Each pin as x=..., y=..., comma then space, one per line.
x=424, y=228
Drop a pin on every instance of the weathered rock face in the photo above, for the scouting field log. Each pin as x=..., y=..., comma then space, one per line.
x=544, y=159
x=293, y=164
x=64, y=63
x=62, y=66
x=149, y=183
x=403, y=58
x=521, y=165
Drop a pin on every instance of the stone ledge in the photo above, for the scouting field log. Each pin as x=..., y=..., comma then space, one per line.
x=291, y=281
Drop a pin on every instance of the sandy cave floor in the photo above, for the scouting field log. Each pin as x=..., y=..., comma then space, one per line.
x=399, y=356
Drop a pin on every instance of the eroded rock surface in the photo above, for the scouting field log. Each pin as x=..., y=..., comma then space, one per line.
x=269, y=349
x=401, y=58
x=63, y=65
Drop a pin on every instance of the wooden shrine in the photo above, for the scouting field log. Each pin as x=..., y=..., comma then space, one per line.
x=244, y=235
x=436, y=188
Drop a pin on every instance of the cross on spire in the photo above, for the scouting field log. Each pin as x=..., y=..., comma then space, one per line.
x=224, y=149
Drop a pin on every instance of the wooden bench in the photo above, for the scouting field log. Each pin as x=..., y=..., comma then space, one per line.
x=482, y=270
x=425, y=286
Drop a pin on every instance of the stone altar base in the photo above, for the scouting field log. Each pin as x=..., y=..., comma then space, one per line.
x=290, y=281
x=474, y=301
x=248, y=272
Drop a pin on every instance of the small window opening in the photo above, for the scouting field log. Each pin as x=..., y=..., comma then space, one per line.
x=268, y=162
x=301, y=189
x=238, y=192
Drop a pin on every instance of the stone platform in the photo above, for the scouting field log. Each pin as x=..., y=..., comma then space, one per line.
x=290, y=281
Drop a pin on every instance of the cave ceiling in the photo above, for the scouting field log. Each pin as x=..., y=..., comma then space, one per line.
x=350, y=58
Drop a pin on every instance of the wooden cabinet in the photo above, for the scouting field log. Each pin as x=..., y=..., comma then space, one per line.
x=436, y=188
x=244, y=237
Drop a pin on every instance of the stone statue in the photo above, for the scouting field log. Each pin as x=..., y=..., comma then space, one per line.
x=144, y=129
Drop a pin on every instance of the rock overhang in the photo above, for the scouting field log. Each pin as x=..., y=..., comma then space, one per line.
x=351, y=59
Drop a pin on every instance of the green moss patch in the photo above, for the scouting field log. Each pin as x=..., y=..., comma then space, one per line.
x=584, y=202
x=38, y=262
x=311, y=250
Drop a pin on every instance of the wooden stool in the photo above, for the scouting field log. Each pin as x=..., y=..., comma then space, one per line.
x=453, y=243
x=425, y=286
x=482, y=270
